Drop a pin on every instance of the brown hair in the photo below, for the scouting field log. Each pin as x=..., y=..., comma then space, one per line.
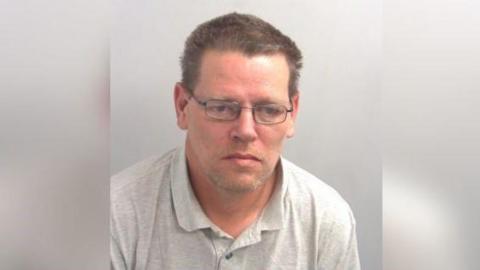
x=238, y=32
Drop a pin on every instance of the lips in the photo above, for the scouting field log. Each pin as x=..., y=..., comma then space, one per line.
x=242, y=156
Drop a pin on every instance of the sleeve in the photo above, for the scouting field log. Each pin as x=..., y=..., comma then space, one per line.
x=338, y=250
x=350, y=258
x=120, y=232
x=117, y=258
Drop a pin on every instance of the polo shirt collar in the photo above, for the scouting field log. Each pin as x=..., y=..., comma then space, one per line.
x=273, y=216
x=187, y=209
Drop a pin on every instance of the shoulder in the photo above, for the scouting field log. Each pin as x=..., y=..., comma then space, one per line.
x=142, y=175
x=134, y=190
x=308, y=192
x=134, y=193
x=324, y=216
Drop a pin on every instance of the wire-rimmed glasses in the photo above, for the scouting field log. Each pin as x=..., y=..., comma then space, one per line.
x=223, y=110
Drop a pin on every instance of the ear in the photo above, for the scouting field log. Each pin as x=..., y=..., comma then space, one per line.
x=293, y=115
x=181, y=101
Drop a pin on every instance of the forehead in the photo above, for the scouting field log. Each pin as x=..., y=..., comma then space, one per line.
x=233, y=74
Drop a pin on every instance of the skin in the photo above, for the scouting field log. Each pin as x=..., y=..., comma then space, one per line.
x=233, y=164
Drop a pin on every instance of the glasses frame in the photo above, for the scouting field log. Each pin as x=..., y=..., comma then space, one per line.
x=204, y=105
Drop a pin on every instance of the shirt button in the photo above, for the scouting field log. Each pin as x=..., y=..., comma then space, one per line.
x=228, y=256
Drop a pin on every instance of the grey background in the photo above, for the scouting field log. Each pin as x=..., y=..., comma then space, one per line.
x=337, y=127
x=54, y=135
x=431, y=134
x=54, y=139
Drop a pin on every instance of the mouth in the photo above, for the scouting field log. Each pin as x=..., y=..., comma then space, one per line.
x=241, y=156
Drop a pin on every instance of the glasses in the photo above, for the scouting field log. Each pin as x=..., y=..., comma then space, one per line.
x=265, y=114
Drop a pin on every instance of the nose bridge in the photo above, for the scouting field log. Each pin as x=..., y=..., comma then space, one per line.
x=248, y=113
x=246, y=117
x=245, y=126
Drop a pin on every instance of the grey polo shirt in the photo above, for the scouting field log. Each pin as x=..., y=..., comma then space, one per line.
x=157, y=223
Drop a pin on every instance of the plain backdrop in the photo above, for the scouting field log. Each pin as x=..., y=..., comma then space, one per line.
x=54, y=134
x=54, y=128
x=337, y=127
x=431, y=134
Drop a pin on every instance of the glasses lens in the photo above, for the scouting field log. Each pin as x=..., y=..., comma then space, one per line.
x=222, y=110
x=270, y=113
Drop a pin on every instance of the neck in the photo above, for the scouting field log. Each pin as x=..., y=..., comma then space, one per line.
x=232, y=212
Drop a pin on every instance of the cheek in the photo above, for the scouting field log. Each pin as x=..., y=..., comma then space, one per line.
x=206, y=135
x=273, y=140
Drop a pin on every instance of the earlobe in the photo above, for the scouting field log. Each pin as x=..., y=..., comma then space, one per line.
x=181, y=101
x=290, y=132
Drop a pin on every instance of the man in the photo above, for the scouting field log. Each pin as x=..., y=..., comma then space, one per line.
x=227, y=200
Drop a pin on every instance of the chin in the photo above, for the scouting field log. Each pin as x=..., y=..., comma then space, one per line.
x=239, y=189
x=241, y=184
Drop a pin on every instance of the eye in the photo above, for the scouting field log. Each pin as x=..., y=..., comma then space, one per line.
x=270, y=110
x=219, y=108
x=222, y=108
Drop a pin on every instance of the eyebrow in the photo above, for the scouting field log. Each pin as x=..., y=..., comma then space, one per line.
x=261, y=101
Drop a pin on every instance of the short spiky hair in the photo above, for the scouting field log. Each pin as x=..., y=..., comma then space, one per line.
x=245, y=33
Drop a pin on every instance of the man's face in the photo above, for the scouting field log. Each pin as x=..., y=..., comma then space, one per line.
x=239, y=155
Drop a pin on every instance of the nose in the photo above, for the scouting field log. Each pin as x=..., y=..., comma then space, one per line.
x=244, y=127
